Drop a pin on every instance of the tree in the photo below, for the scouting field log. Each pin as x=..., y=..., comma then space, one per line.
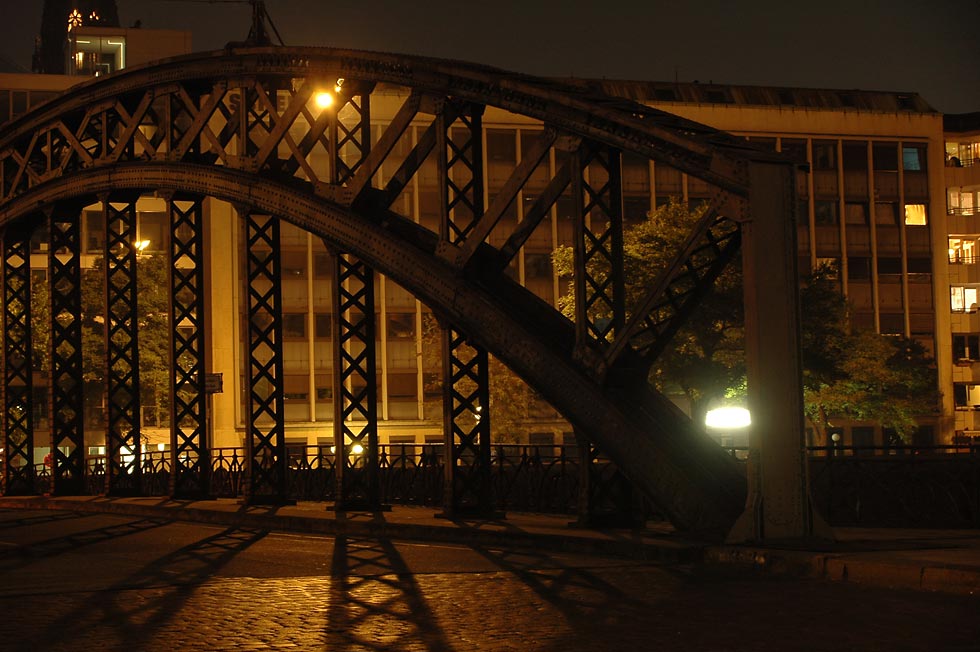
x=512, y=402
x=860, y=376
x=887, y=380
x=705, y=361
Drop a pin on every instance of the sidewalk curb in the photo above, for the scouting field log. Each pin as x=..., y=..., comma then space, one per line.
x=867, y=568
x=453, y=532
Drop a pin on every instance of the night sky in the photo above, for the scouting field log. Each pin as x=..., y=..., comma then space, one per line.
x=925, y=46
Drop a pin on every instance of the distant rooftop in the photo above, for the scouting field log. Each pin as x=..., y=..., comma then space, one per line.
x=710, y=93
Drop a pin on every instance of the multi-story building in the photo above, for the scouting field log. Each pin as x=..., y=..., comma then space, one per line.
x=873, y=204
x=962, y=174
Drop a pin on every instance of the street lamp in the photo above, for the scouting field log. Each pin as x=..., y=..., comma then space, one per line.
x=725, y=420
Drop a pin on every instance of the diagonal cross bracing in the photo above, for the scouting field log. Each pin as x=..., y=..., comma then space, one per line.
x=355, y=394
x=66, y=385
x=265, y=443
x=18, y=379
x=123, y=440
x=190, y=456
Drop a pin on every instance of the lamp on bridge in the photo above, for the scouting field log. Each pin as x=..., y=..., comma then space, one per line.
x=724, y=423
x=324, y=99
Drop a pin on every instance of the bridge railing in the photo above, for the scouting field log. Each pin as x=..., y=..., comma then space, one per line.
x=874, y=486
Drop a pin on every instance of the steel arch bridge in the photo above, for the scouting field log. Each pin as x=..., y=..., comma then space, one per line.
x=242, y=125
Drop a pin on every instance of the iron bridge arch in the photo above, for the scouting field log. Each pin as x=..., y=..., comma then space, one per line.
x=241, y=126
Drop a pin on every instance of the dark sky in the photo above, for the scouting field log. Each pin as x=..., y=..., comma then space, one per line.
x=926, y=46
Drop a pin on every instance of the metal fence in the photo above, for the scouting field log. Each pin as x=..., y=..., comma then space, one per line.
x=897, y=486
x=542, y=479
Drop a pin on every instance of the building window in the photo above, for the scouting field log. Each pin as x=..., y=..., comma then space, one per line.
x=858, y=268
x=915, y=214
x=825, y=212
x=963, y=298
x=401, y=325
x=294, y=325
x=966, y=347
x=966, y=397
x=960, y=203
x=914, y=158
x=824, y=155
x=962, y=251
x=856, y=213
x=886, y=214
x=885, y=156
x=919, y=265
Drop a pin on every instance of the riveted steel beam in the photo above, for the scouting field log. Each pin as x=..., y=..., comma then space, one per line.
x=66, y=384
x=355, y=393
x=709, y=248
x=124, y=445
x=466, y=377
x=190, y=455
x=681, y=470
x=265, y=436
x=18, y=383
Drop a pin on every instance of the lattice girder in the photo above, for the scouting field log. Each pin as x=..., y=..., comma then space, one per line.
x=123, y=440
x=355, y=385
x=218, y=117
x=17, y=390
x=466, y=418
x=265, y=438
x=66, y=384
x=190, y=455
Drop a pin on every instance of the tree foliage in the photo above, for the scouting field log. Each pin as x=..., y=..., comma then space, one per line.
x=153, y=321
x=512, y=402
x=856, y=376
x=705, y=360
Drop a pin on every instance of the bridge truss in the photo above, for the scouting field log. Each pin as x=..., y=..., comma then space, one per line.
x=244, y=126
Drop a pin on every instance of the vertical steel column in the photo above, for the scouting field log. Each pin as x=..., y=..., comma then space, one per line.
x=466, y=376
x=600, y=289
x=355, y=369
x=18, y=412
x=355, y=395
x=265, y=428
x=351, y=138
x=66, y=386
x=123, y=442
x=190, y=455
x=778, y=505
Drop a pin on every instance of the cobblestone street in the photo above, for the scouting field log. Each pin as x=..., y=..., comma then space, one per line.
x=111, y=583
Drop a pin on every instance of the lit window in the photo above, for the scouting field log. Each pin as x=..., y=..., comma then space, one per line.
x=962, y=250
x=963, y=299
x=915, y=214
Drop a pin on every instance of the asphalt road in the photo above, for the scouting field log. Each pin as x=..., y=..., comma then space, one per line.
x=96, y=582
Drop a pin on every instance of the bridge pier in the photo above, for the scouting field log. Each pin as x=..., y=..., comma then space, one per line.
x=778, y=506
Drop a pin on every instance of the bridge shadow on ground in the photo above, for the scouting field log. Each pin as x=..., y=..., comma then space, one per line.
x=132, y=621
x=375, y=601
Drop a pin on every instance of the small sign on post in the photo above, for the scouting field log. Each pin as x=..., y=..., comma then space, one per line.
x=213, y=384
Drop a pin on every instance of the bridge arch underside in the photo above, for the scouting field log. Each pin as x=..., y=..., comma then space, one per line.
x=682, y=471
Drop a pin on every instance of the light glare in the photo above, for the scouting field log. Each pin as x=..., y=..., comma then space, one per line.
x=323, y=99
x=728, y=418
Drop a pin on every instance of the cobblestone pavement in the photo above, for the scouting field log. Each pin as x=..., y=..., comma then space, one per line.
x=110, y=583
